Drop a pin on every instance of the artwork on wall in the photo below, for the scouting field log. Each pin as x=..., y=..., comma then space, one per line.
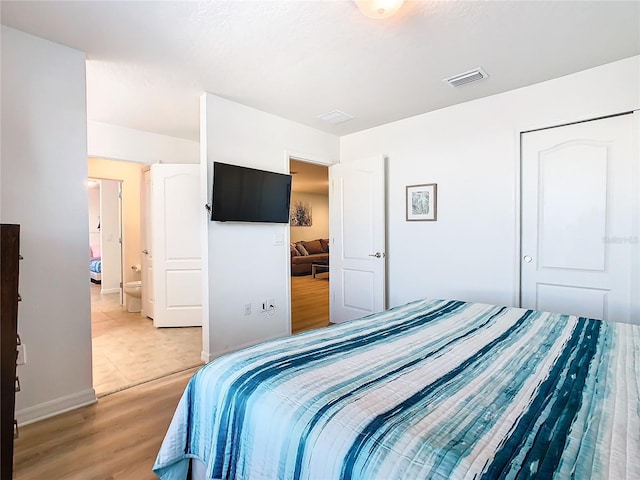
x=422, y=202
x=300, y=215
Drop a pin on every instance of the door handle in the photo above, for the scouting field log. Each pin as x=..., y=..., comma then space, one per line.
x=527, y=258
x=145, y=251
x=377, y=255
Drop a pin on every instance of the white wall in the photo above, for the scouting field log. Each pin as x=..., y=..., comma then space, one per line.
x=93, y=195
x=44, y=175
x=319, y=217
x=471, y=151
x=120, y=143
x=244, y=264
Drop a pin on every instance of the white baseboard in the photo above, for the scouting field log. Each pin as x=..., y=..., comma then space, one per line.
x=55, y=407
x=212, y=356
x=106, y=291
x=207, y=357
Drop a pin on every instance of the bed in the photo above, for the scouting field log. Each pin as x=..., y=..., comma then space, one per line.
x=95, y=264
x=433, y=389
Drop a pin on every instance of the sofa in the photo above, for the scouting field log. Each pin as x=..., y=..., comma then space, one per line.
x=304, y=253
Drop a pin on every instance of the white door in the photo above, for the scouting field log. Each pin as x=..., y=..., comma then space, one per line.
x=580, y=219
x=145, y=243
x=357, y=231
x=175, y=237
x=111, y=237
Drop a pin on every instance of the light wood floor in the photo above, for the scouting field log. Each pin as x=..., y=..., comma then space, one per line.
x=309, y=302
x=116, y=439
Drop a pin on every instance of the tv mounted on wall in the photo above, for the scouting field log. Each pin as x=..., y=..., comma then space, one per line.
x=242, y=194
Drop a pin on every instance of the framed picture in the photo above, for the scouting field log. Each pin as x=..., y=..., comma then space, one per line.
x=300, y=215
x=422, y=202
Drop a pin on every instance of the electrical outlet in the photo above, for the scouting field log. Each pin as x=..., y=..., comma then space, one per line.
x=268, y=306
x=22, y=355
x=247, y=309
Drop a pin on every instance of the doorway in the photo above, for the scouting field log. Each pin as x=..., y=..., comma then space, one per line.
x=105, y=236
x=126, y=348
x=309, y=249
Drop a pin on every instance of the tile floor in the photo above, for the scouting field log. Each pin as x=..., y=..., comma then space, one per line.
x=128, y=350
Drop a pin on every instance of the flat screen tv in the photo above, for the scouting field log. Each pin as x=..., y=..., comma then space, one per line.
x=242, y=194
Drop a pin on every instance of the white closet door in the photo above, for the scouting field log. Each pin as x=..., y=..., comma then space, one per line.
x=580, y=219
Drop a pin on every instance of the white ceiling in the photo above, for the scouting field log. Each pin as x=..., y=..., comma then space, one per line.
x=148, y=62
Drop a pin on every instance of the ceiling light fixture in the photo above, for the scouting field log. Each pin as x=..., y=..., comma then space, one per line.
x=379, y=9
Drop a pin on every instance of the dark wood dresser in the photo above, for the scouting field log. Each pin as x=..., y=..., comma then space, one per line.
x=9, y=297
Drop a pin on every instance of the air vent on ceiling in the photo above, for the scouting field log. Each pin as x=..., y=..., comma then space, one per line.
x=466, y=77
x=336, y=117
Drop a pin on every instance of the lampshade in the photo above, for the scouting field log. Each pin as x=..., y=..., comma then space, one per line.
x=379, y=9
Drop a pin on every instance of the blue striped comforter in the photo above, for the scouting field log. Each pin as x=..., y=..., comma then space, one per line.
x=95, y=266
x=430, y=390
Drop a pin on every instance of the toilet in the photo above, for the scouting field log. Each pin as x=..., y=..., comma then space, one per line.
x=133, y=291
